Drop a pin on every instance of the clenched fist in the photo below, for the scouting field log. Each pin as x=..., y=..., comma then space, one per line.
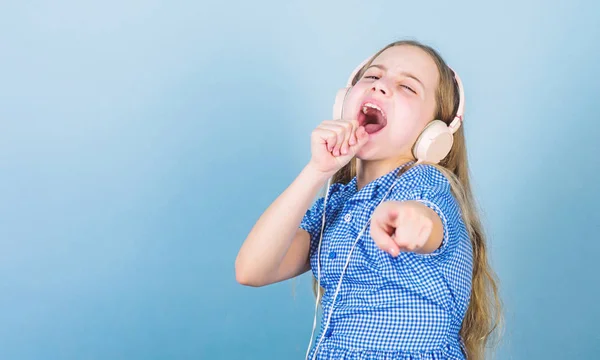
x=335, y=143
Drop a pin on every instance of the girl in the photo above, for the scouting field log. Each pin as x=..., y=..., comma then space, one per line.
x=395, y=245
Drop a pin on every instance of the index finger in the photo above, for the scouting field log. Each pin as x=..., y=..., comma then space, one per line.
x=382, y=235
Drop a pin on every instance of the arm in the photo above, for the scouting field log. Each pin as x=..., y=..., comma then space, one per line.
x=276, y=248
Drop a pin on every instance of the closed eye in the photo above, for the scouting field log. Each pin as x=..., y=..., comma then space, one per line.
x=408, y=88
x=374, y=77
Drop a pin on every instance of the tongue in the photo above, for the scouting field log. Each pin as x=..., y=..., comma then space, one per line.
x=373, y=121
x=373, y=128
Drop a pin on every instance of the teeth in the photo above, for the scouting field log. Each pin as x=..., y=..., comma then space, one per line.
x=372, y=106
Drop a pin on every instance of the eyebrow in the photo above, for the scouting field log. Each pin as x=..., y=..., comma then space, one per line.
x=407, y=74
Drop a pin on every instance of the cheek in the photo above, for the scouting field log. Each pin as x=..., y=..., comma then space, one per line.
x=352, y=101
x=406, y=103
x=408, y=120
x=407, y=112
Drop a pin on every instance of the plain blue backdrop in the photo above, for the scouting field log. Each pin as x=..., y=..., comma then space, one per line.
x=141, y=140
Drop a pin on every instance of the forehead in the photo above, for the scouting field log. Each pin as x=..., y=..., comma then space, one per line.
x=410, y=59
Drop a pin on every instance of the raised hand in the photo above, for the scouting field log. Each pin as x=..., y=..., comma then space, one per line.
x=335, y=143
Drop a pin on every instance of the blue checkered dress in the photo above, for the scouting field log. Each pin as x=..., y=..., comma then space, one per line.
x=409, y=307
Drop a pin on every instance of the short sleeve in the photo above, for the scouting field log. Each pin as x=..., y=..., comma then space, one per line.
x=431, y=188
x=312, y=220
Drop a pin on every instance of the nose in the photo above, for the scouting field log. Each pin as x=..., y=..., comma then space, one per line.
x=381, y=86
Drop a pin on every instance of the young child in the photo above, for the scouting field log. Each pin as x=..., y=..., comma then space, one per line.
x=395, y=245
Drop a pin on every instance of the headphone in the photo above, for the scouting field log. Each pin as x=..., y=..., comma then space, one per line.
x=435, y=141
x=432, y=145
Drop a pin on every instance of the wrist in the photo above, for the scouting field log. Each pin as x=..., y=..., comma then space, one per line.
x=312, y=172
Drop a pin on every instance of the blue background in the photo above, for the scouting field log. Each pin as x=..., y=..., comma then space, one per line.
x=140, y=140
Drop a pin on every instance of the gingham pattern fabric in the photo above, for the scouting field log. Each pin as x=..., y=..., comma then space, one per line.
x=408, y=307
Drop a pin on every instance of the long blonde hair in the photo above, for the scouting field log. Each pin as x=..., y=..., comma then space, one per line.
x=484, y=314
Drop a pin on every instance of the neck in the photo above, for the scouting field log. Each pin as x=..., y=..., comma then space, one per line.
x=369, y=170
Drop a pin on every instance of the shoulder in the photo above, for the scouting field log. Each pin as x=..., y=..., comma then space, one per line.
x=425, y=175
x=340, y=192
x=422, y=180
x=428, y=185
x=332, y=198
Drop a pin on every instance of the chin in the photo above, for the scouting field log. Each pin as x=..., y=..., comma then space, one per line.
x=368, y=152
x=376, y=150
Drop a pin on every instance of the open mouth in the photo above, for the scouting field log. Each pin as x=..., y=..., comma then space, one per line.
x=371, y=117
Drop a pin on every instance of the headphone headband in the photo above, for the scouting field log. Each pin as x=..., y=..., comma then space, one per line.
x=460, y=112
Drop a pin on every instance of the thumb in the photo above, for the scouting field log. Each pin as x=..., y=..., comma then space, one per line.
x=362, y=138
x=383, y=231
x=388, y=214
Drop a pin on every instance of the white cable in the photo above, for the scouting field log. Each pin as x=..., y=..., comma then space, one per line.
x=319, y=268
x=341, y=276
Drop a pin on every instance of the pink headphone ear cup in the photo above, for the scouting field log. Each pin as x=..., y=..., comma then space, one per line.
x=434, y=143
x=338, y=105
